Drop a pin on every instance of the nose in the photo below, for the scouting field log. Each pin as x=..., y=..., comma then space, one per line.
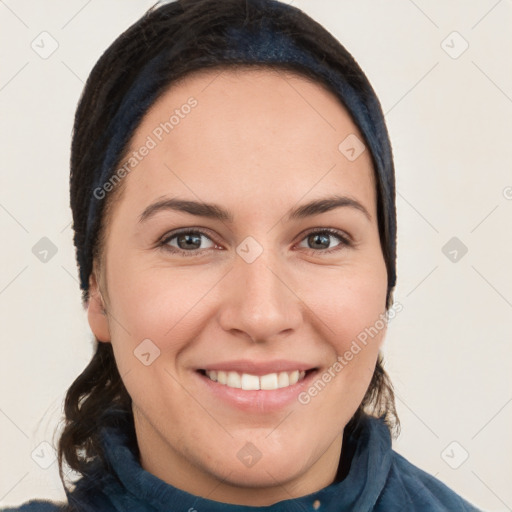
x=259, y=302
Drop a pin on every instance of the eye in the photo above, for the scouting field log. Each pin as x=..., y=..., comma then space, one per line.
x=186, y=242
x=320, y=239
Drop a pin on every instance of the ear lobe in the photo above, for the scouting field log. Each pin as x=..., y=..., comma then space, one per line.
x=96, y=315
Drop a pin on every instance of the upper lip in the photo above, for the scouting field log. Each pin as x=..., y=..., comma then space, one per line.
x=259, y=367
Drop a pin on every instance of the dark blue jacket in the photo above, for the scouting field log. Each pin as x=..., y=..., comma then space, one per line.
x=378, y=479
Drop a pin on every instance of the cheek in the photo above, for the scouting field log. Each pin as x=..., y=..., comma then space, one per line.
x=156, y=314
x=157, y=302
x=170, y=306
x=348, y=301
x=350, y=311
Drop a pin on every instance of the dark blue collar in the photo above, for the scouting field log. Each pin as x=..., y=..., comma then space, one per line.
x=126, y=486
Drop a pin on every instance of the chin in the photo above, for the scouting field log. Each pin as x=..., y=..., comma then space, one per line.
x=261, y=463
x=262, y=474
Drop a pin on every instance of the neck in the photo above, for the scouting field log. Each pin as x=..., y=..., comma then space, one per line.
x=225, y=485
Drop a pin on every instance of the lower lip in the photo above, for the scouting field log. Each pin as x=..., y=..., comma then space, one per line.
x=261, y=400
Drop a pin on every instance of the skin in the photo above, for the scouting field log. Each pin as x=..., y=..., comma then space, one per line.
x=258, y=143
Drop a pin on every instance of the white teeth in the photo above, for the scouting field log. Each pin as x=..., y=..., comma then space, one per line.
x=283, y=380
x=222, y=377
x=250, y=382
x=268, y=381
x=294, y=377
x=234, y=380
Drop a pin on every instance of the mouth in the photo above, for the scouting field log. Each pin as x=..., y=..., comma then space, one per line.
x=251, y=382
x=255, y=386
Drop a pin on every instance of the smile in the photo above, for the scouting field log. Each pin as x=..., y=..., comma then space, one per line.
x=249, y=382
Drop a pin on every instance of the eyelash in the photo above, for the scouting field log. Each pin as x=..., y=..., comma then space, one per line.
x=163, y=244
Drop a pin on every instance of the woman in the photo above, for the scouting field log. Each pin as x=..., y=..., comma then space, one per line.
x=232, y=188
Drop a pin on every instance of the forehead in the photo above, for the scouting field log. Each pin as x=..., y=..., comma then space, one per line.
x=236, y=130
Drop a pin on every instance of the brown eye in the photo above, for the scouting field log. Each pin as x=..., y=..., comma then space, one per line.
x=187, y=243
x=321, y=241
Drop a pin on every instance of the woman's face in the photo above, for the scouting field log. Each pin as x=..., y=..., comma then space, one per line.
x=238, y=277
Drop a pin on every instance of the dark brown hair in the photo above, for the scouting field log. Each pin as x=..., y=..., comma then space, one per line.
x=198, y=26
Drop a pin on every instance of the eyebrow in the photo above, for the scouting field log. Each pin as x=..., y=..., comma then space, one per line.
x=213, y=211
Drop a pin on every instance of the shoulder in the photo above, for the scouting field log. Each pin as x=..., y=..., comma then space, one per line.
x=37, y=506
x=408, y=485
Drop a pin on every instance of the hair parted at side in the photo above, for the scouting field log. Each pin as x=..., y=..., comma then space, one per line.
x=194, y=32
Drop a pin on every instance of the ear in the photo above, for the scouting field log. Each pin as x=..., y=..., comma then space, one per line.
x=96, y=314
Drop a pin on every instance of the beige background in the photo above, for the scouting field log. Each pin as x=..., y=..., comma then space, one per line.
x=449, y=352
